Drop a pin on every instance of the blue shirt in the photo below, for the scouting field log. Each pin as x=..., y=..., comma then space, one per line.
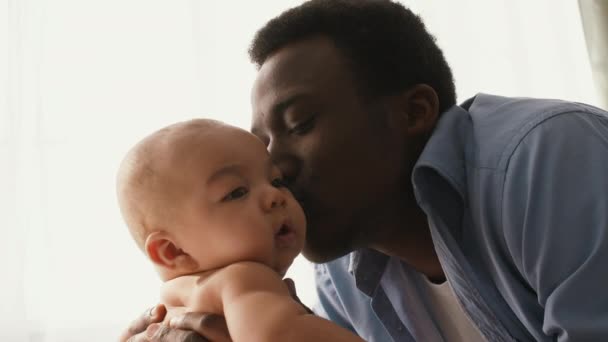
x=516, y=194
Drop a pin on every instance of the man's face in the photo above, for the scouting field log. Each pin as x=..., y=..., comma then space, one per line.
x=337, y=151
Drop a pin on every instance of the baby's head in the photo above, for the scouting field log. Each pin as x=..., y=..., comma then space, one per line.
x=200, y=195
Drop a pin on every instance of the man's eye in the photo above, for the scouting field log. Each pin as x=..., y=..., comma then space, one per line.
x=235, y=194
x=303, y=127
x=279, y=183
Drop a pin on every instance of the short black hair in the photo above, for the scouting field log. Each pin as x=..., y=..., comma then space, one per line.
x=388, y=45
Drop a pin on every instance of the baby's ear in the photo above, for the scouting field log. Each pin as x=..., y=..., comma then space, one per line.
x=161, y=249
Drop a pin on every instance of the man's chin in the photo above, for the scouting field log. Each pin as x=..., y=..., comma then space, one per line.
x=322, y=252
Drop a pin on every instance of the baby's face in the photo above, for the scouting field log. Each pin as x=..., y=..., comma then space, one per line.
x=235, y=206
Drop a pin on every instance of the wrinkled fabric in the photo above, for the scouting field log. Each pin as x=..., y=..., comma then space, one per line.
x=516, y=193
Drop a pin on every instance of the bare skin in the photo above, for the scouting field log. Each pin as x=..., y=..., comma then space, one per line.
x=212, y=213
x=190, y=327
x=241, y=292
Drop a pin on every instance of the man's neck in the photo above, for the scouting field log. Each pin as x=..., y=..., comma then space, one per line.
x=404, y=232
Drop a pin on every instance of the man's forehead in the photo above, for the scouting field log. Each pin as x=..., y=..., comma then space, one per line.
x=296, y=61
x=298, y=68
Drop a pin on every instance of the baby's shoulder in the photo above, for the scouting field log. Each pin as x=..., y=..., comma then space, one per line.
x=247, y=275
x=247, y=269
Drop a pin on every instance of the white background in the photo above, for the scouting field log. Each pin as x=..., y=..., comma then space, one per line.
x=83, y=80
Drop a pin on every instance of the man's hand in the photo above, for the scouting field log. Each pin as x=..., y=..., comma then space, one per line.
x=190, y=327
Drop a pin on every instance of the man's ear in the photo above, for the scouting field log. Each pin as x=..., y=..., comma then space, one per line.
x=163, y=251
x=417, y=109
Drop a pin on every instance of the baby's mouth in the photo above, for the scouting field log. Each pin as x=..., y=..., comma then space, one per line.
x=283, y=230
x=285, y=236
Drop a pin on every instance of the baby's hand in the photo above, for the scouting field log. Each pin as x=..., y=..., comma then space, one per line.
x=292, y=290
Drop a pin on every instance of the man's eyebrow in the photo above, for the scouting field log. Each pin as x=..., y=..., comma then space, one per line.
x=233, y=169
x=280, y=107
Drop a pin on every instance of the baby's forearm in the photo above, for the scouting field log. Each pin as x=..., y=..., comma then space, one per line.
x=313, y=328
x=275, y=317
x=258, y=307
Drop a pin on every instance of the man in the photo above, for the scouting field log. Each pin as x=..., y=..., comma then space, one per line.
x=428, y=221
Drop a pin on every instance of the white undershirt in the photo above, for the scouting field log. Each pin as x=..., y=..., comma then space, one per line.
x=454, y=324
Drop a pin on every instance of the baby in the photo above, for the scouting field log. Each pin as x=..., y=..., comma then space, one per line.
x=207, y=206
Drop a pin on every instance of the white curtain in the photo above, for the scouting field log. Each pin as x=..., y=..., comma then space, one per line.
x=594, y=15
x=83, y=80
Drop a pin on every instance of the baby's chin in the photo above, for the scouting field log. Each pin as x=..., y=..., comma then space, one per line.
x=284, y=265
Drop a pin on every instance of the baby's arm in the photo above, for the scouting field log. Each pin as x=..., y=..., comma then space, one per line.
x=189, y=293
x=258, y=307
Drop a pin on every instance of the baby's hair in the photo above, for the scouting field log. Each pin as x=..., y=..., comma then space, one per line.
x=146, y=197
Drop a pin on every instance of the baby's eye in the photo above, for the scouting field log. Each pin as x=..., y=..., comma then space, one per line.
x=235, y=194
x=278, y=183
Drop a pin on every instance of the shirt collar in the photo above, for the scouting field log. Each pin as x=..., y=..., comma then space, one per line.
x=445, y=153
x=367, y=266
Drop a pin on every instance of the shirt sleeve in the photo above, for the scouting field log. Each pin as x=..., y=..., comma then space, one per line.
x=555, y=215
x=329, y=305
